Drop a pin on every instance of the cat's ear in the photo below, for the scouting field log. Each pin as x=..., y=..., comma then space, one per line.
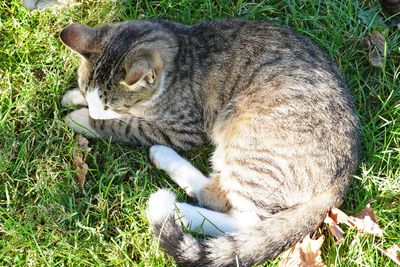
x=142, y=70
x=79, y=38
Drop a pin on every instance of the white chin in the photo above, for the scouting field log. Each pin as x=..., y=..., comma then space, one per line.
x=96, y=107
x=104, y=114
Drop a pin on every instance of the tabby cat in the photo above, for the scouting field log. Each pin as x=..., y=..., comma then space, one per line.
x=274, y=106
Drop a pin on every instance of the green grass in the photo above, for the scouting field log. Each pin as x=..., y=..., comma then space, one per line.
x=46, y=220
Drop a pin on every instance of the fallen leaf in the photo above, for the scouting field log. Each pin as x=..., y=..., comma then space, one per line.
x=365, y=221
x=79, y=160
x=304, y=253
x=335, y=229
x=375, y=42
x=81, y=169
x=394, y=253
x=339, y=216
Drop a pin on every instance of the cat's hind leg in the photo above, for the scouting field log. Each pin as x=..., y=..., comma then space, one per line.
x=206, y=190
x=79, y=121
x=74, y=97
x=196, y=219
x=180, y=170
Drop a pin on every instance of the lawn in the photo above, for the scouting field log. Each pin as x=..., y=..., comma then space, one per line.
x=47, y=220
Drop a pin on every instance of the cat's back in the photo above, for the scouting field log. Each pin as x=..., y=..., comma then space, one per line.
x=254, y=38
x=277, y=90
x=270, y=66
x=237, y=53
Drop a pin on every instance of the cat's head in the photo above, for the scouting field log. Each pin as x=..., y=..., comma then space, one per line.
x=122, y=65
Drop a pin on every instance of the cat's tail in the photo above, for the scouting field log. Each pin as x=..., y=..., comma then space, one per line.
x=262, y=241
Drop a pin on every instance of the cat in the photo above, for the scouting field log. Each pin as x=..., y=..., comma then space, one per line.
x=274, y=105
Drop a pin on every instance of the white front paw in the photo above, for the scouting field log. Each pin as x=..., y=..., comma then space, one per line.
x=79, y=121
x=74, y=97
x=41, y=4
x=164, y=158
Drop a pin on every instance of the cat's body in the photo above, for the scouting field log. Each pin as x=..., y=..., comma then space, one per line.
x=274, y=106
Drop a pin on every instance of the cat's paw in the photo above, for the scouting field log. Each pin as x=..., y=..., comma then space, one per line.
x=179, y=169
x=164, y=157
x=42, y=4
x=161, y=205
x=74, y=97
x=79, y=121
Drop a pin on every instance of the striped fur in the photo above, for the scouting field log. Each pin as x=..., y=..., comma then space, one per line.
x=255, y=244
x=274, y=105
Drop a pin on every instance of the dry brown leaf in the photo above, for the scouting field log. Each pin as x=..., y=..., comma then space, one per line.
x=365, y=221
x=305, y=253
x=79, y=160
x=394, y=253
x=375, y=42
x=339, y=216
x=335, y=229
